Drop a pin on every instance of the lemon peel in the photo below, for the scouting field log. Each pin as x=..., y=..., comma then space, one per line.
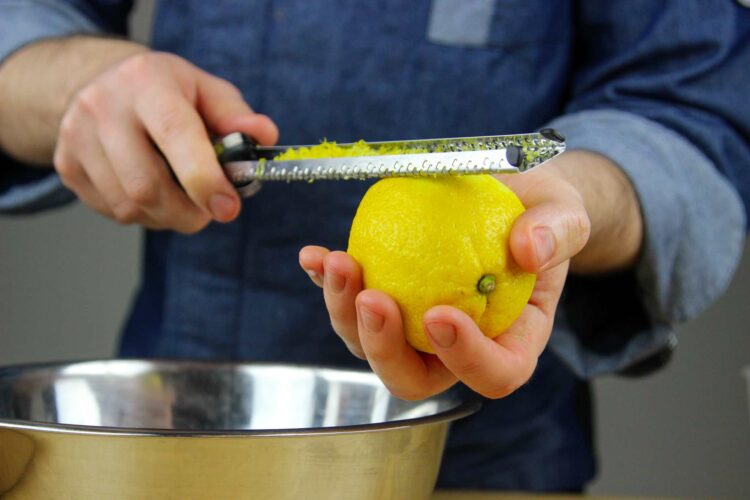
x=442, y=241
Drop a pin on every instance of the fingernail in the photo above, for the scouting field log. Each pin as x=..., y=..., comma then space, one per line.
x=544, y=242
x=371, y=320
x=444, y=334
x=222, y=206
x=335, y=281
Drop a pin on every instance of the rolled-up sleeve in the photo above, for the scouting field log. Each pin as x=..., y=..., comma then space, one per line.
x=694, y=230
x=662, y=96
x=26, y=21
x=25, y=189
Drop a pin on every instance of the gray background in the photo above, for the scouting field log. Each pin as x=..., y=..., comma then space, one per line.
x=66, y=281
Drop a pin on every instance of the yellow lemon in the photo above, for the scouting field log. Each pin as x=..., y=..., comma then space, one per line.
x=442, y=241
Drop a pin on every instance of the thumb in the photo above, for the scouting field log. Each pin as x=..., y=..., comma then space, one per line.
x=548, y=234
x=225, y=110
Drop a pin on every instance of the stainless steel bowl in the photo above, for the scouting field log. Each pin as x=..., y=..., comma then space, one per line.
x=177, y=429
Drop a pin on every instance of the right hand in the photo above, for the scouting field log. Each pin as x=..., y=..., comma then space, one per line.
x=107, y=153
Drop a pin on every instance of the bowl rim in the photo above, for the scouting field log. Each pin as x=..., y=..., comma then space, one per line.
x=463, y=408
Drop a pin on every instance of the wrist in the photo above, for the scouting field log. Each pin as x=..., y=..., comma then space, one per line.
x=613, y=209
x=93, y=56
x=37, y=84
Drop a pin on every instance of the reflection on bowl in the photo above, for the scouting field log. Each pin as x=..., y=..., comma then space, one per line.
x=178, y=429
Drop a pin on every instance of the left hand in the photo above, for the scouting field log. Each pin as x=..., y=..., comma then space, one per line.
x=553, y=229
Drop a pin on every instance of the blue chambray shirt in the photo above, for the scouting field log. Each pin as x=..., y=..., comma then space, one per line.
x=658, y=87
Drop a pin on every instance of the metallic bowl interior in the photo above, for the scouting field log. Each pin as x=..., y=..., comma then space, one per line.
x=183, y=429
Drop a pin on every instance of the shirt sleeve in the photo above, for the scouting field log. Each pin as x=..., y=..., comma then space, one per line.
x=662, y=97
x=25, y=189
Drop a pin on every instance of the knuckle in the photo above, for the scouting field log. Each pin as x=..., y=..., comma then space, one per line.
x=136, y=68
x=228, y=88
x=350, y=337
x=378, y=355
x=506, y=389
x=579, y=227
x=530, y=369
x=91, y=100
x=126, y=212
x=68, y=170
x=584, y=227
x=69, y=128
x=355, y=349
x=231, y=91
x=334, y=323
x=343, y=329
x=69, y=173
x=471, y=369
x=198, y=183
x=143, y=191
x=358, y=353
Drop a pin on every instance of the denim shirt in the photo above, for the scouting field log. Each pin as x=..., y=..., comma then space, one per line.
x=657, y=87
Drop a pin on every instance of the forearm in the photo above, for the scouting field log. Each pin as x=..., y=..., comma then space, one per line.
x=38, y=82
x=613, y=209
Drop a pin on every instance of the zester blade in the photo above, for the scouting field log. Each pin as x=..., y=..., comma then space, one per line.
x=245, y=163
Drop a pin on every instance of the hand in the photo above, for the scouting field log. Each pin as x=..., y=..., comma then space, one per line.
x=106, y=150
x=554, y=228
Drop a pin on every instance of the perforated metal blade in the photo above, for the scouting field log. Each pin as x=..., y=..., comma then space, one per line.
x=245, y=162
